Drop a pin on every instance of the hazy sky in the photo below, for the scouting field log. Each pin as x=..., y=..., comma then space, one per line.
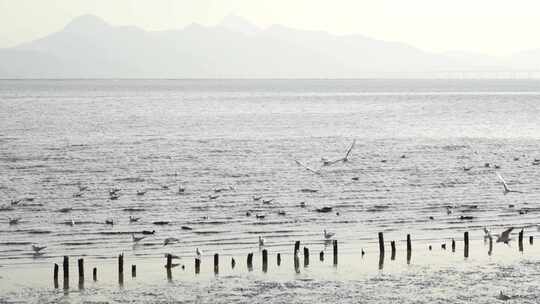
x=489, y=26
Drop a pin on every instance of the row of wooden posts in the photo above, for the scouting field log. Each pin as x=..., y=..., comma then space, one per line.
x=169, y=265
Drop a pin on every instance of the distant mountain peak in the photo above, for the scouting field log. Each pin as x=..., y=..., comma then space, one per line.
x=238, y=24
x=85, y=23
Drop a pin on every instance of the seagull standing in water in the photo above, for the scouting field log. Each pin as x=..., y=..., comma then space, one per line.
x=328, y=235
x=261, y=241
x=506, y=189
x=487, y=234
x=170, y=240
x=137, y=238
x=13, y=221
x=37, y=249
x=505, y=236
x=503, y=297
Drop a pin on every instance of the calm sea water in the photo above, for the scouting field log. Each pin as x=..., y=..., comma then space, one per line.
x=413, y=139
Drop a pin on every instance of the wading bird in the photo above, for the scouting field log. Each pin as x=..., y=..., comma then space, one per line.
x=137, y=238
x=505, y=236
x=170, y=240
x=328, y=235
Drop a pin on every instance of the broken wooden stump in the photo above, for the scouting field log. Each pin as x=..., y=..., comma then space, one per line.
x=265, y=260
x=466, y=246
x=296, y=247
x=55, y=275
x=197, y=265
x=381, y=243
x=335, y=247
x=409, y=248
x=216, y=263
x=80, y=265
x=393, y=250
x=65, y=270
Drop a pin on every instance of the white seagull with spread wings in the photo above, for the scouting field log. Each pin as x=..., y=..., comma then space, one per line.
x=307, y=168
x=506, y=189
x=327, y=162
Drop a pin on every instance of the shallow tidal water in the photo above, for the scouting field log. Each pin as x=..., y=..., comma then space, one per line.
x=413, y=140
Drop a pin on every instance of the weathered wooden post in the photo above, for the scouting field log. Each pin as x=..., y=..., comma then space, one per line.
x=216, y=263
x=121, y=269
x=168, y=267
x=306, y=256
x=197, y=265
x=381, y=243
x=409, y=249
x=443, y=246
x=381, y=260
x=393, y=250
x=94, y=274
x=296, y=264
x=265, y=260
x=453, y=245
x=429, y=247
x=80, y=264
x=520, y=240
x=296, y=247
x=65, y=270
x=133, y=271
x=279, y=259
x=55, y=275
x=531, y=240
x=490, y=245
x=250, y=261
x=321, y=256
x=335, y=245
x=466, y=240
x=233, y=263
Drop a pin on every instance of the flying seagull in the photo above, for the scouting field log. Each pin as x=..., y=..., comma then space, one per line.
x=506, y=189
x=327, y=162
x=505, y=236
x=346, y=158
x=307, y=168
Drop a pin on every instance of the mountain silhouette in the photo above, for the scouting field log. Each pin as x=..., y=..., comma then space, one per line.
x=89, y=47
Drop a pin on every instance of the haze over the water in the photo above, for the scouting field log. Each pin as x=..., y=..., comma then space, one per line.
x=268, y=39
x=481, y=26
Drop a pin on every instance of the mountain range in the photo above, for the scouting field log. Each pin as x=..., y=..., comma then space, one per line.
x=89, y=47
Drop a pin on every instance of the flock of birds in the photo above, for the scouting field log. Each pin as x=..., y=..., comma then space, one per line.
x=114, y=194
